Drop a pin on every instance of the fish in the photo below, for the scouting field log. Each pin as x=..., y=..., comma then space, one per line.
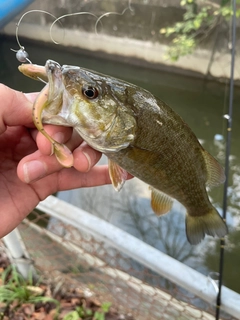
x=140, y=135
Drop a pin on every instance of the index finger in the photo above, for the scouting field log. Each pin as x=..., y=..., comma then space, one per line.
x=16, y=108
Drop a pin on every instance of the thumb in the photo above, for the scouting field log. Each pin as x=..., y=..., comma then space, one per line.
x=15, y=107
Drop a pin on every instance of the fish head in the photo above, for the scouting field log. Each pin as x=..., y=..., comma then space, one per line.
x=92, y=103
x=97, y=109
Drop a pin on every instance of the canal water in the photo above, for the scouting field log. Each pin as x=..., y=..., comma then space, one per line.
x=202, y=104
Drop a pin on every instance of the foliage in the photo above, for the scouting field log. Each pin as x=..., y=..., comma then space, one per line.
x=25, y=299
x=15, y=289
x=79, y=312
x=87, y=314
x=100, y=315
x=199, y=19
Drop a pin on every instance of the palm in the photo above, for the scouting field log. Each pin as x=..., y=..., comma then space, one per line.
x=15, y=195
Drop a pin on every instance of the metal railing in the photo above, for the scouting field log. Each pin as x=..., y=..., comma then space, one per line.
x=165, y=266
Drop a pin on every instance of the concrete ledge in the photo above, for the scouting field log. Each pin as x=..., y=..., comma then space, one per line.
x=202, y=62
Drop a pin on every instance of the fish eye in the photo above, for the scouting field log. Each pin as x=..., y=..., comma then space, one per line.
x=90, y=92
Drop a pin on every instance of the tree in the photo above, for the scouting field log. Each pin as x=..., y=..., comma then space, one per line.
x=199, y=20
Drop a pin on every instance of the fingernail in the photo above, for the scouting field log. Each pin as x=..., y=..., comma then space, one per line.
x=88, y=160
x=34, y=170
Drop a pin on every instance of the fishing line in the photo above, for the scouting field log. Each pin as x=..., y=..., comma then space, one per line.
x=21, y=53
x=20, y=20
x=129, y=7
x=65, y=16
x=228, y=117
x=23, y=56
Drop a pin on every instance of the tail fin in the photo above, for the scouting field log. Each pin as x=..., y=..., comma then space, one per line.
x=198, y=226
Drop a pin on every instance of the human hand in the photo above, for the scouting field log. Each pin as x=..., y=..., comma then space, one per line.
x=28, y=173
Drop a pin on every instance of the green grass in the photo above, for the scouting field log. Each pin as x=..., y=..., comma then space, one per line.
x=15, y=289
x=87, y=314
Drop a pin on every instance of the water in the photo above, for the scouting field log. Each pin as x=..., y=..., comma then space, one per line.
x=202, y=105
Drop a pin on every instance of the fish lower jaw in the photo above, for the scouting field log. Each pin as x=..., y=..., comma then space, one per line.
x=99, y=144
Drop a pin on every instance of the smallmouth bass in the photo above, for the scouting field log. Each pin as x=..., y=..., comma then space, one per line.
x=139, y=134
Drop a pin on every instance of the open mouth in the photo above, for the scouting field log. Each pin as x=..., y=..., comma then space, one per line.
x=53, y=71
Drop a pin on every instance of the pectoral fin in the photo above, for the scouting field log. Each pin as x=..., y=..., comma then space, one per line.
x=160, y=202
x=117, y=174
x=215, y=171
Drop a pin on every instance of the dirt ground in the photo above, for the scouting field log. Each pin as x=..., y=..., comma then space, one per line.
x=68, y=303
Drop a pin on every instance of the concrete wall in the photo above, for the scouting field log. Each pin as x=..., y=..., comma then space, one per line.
x=133, y=35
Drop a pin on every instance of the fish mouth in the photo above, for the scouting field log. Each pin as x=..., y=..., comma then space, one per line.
x=54, y=113
x=54, y=73
x=52, y=92
x=51, y=73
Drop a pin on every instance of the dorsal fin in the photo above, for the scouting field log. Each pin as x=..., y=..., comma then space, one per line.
x=215, y=171
x=117, y=174
x=160, y=202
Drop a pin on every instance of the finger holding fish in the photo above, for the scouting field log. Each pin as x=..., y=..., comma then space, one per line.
x=85, y=157
x=37, y=165
x=59, y=133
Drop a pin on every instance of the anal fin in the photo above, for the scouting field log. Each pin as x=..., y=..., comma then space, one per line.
x=161, y=203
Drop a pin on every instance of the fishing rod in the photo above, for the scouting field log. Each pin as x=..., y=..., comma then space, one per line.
x=228, y=117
